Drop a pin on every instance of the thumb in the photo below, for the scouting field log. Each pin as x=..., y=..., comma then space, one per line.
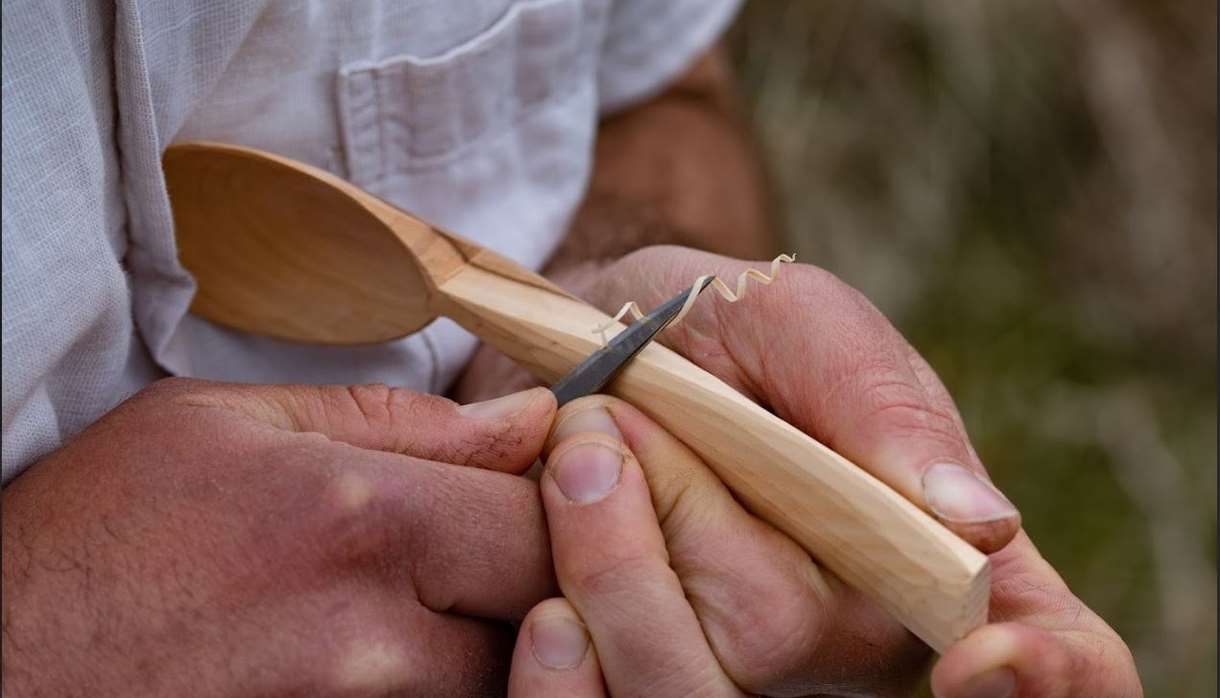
x=504, y=434
x=819, y=355
x=1046, y=643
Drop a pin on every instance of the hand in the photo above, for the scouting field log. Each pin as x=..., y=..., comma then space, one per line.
x=213, y=539
x=818, y=354
x=683, y=592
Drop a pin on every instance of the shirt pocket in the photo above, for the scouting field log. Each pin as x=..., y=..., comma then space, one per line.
x=409, y=113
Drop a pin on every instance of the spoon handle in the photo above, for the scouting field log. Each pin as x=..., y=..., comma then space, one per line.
x=933, y=582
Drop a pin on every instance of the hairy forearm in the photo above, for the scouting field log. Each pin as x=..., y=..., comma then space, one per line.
x=680, y=169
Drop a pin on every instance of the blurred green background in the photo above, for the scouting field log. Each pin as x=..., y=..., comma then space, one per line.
x=1028, y=189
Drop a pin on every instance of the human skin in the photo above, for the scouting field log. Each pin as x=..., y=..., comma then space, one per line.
x=215, y=539
x=205, y=598
x=680, y=169
x=816, y=353
x=643, y=536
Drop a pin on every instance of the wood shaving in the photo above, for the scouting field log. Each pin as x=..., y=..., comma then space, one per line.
x=632, y=308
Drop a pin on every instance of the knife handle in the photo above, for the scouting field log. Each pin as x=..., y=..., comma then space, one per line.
x=870, y=536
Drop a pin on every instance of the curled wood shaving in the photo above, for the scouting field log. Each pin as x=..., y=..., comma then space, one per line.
x=632, y=308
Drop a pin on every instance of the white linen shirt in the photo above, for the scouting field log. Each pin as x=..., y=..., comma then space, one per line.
x=477, y=115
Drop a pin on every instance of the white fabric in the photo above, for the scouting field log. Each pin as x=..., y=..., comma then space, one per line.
x=478, y=115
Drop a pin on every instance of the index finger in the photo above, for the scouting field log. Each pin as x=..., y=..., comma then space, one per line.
x=463, y=540
x=611, y=562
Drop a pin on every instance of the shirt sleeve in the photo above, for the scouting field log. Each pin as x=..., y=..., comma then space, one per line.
x=650, y=43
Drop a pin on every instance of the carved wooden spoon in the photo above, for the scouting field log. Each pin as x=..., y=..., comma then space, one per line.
x=283, y=249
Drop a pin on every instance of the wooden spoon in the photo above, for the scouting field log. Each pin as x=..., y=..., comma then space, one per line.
x=283, y=249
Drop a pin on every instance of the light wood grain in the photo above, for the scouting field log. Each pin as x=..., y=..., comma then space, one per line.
x=874, y=539
x=283, y=249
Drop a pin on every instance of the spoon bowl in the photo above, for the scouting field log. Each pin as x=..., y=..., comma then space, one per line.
x=283, y=249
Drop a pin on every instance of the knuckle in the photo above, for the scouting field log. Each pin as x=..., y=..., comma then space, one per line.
x=381, y=405
x=760, y=634
x=366, y=406
x=357, y=519
x=352, y=493
x=372, y=401
x=683, y=509
x=408, y=403
x=398, y=413
x=1027, y=593
x=915, y=419
x=889, y=401
x=610, y=579
x=368, y=666
x=771, y=646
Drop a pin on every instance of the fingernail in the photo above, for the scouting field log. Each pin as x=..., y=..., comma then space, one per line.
x=956, y=494
x=558, y=643
x=500, y=407
x=594, y=419
x=587, y=473
x=996, y=683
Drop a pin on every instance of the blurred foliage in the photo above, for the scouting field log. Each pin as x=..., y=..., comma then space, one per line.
x=1028, y=189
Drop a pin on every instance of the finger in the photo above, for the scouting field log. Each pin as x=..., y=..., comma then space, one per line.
x=824, y=359
x=775, y=622
x=1043, y=642
x=464, y=540
x=503, y=434
x=553, y=657
x=610, y=561
x=349, y=639
x=1011, y=659
x=380, y=658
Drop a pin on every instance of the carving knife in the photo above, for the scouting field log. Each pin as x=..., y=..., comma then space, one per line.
x=592, y=374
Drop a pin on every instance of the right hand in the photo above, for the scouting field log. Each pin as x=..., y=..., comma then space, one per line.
x=672, y=588
x=215, y=539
